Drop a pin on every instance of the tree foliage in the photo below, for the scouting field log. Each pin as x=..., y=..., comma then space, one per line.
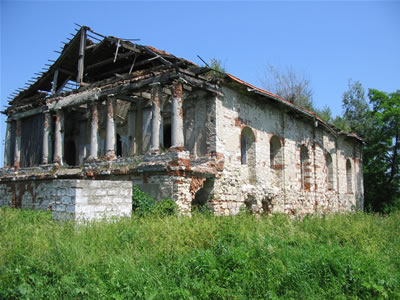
x=381, y=152
x=290, y=85
x=218, y=69
x=217, y=65
x=379, y=125
x=355, y=107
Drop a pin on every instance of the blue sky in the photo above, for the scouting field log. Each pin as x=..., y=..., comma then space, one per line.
x=329, y=42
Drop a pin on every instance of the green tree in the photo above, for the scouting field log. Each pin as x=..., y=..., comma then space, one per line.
x=290, y=85
x=341, y=123
x=355, y=108
x=217, y=65
x=381, y=157
x=218, y=69
x=325, y=113
x=379, y=127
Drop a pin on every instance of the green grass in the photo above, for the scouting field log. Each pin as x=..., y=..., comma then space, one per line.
x=152, y=257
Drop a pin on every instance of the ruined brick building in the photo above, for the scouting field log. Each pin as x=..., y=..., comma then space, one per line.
x=109, y=113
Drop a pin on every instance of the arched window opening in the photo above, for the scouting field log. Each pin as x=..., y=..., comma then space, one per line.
x=276, y=160
x=349, y=177
x=119, y=146
x=248, y=152
x=329, y=167
x=305, y=169
x=247, y=146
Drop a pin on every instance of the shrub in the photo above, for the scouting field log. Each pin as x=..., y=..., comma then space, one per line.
x=143, y=204
x=166, y=207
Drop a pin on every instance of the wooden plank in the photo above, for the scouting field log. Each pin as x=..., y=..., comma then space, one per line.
x=109, y=60
x=75, y=99
x=125, y=88
x=91, y=46
x=63, y=85
x=134, y=99
x=81, y=59
x=133, y=64
x=65, y=71
x=200, y=83
x=32, y=112
x=163, y=60
x=95, y=38
x=55, y=78
x=130, y=47
x=126, y=67
x=93, y=95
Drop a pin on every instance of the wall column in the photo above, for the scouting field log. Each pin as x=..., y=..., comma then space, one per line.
x=132, y=132
x=7, y=146
x=58, y=137
x=155, y=118
x=94, y=125
x=110, y=130
x=46, y=131
x=17, y=151
x=177, y=140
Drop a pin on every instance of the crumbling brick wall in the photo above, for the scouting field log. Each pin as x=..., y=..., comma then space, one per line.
x=297, y=193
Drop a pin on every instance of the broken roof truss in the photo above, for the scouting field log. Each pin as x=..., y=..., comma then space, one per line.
x=89, y=58
x=92, y=66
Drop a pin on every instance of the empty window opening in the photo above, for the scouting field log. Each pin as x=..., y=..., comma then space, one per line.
x=329, y=167
x=276, y=161
x=247, y=145
x=119, y=146
x=165, y=132
x=243, y=147
x=70, y=153
x=248, y=152
x=167, y=136
x=349, y=177
x=305, y=169
x=31, y=140
x=52, y=137
x=201, y=200
x=71, y=131
x=12, y=142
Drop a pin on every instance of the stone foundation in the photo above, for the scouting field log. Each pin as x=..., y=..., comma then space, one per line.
x=80, y=200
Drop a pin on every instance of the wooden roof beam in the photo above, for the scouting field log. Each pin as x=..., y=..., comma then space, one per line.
x=81, y=59
x=109, y=60
x=158, y=56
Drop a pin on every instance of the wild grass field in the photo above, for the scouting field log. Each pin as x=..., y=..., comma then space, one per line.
x=203, y=257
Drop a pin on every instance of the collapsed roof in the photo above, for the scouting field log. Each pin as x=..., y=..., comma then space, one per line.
x=98, y=57
x=90, y=59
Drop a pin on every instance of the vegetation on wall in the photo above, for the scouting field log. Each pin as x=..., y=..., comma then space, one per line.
x=203, y=257
x=143, y=204
x=290, y=85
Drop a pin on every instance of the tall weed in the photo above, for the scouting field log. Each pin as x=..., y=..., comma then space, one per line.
x=157, y=256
